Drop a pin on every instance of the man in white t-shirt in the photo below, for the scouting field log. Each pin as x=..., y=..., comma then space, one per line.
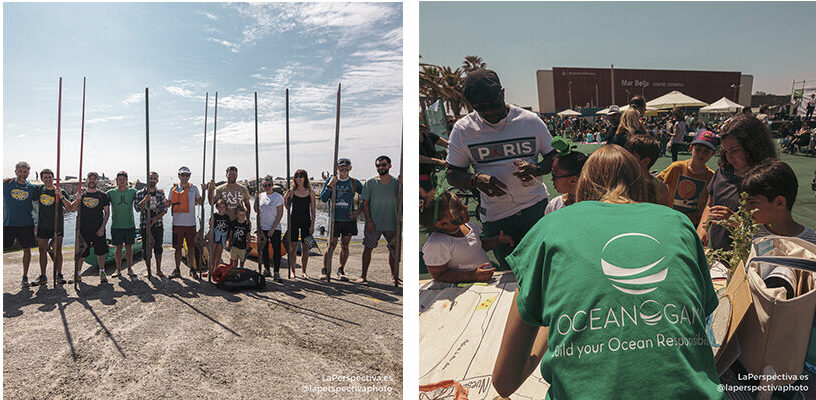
x=502, y=144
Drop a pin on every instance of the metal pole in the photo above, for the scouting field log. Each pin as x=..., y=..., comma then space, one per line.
x=260, y=236
x=291, y=259
x=612, y=82
x=200, y=247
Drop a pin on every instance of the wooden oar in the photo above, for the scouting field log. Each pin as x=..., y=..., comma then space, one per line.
x=260, y=235
x=291, y=253
x=80, y=245
x=332, y=207
x=398, y=244
x=200, y=236
x=212, y=200
x=148, y=242
x=57, y=199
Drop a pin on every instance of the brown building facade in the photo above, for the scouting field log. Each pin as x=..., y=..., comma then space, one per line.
x=567, y=87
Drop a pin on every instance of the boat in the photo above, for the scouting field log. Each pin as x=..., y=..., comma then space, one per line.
x=111, y=256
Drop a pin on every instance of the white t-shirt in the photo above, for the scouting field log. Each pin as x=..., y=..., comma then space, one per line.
x=788, y=274
x=491, y=149
x=269, y=209
x=460, y=253
x=555, y=204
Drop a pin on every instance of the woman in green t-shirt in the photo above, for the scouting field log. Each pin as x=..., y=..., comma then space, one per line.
x=612, y=296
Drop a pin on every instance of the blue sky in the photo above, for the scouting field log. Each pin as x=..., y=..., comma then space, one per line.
x=771, y=41
x=182, y=50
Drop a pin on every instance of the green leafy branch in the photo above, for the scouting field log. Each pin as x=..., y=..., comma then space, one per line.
x=742, y=229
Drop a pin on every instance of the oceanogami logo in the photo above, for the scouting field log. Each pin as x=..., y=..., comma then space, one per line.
x=623, y=258
x=503, y=150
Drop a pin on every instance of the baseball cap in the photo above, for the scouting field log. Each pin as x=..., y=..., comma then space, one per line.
x=482, y=86
x=707, y=138
x=343, y=161
x=93, y=173
x=184, y=170
x=121, y=173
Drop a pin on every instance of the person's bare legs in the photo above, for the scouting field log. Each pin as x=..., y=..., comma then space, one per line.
x=344, y=252
x=366, y=263
x=118, y=261
x=129, y=257
x=42, y=245
x=393, y=262
x=304, y=258
x=291, y=259
x=26, y=261
x=100, y=261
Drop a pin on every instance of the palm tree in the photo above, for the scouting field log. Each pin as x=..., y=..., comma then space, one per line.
x=472, y=63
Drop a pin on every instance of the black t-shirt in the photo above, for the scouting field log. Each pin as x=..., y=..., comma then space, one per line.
x=93, y=209
x=45, y=199
x=239, y=233
x=428, y=148
x=221, y=222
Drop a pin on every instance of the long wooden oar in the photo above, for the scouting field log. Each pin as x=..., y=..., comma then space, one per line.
x=80, y=245
x=291, y=252
x=200, y=237
x=398, y=242
x=212, y=206
x=148, y=242
x=57, y=200
x=332, y=207
x=260, y=236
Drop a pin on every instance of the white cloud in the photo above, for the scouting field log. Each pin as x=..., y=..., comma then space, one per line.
x=134, y=98
x=208, y=15
x=107, y=119
x=233, y=47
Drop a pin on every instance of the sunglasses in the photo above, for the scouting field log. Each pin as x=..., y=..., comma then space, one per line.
x=381, y=165
x=489, y=106
x=562, y=176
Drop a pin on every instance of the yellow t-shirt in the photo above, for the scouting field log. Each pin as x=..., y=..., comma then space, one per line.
x=687, y=190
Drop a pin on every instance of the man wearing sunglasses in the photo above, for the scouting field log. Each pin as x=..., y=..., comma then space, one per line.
x=345, y=216
x=92, y=220
x=502, y=144
x=123, y=229
x=183, y=198
x=380, y=202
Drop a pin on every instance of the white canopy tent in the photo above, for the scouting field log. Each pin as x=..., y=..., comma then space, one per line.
x=722, y=105
x=675, y=99
x=626, y=107
x=569, y=113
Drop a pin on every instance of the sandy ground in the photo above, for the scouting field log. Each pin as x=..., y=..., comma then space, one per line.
x=178, y=339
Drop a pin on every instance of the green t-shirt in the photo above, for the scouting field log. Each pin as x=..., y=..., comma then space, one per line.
x=121, y=202
x=625, y=291
x=382, y=203
x=45, y=203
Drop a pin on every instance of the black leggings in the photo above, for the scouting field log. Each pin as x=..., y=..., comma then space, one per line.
x=276, y=245
x=675, y=149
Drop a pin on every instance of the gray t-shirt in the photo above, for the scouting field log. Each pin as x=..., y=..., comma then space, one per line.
x=382, y=203
x=188, y=218
x=723, y=190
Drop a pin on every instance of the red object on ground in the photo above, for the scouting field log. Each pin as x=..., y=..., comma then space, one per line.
x=221, y=272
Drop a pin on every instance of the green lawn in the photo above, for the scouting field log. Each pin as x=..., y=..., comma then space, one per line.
x=804, y=211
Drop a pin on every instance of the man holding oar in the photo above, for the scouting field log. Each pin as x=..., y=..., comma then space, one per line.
x=46, y=200
x=231, y=192
x=123, y=230
x=183, y=198
x=380, y=199
x=92, y=220
x=18, y=214
x=152, y=198
x=345, y=216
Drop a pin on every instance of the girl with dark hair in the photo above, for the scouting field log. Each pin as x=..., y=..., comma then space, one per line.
x=566, y=169
x=744, y=143
x=300, y=201
x=595, y=278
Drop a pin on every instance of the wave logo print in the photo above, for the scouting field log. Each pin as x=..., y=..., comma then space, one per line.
x=628, y=262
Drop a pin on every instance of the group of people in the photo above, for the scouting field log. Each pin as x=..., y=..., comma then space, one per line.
x=29, y=218
x=615, y=241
